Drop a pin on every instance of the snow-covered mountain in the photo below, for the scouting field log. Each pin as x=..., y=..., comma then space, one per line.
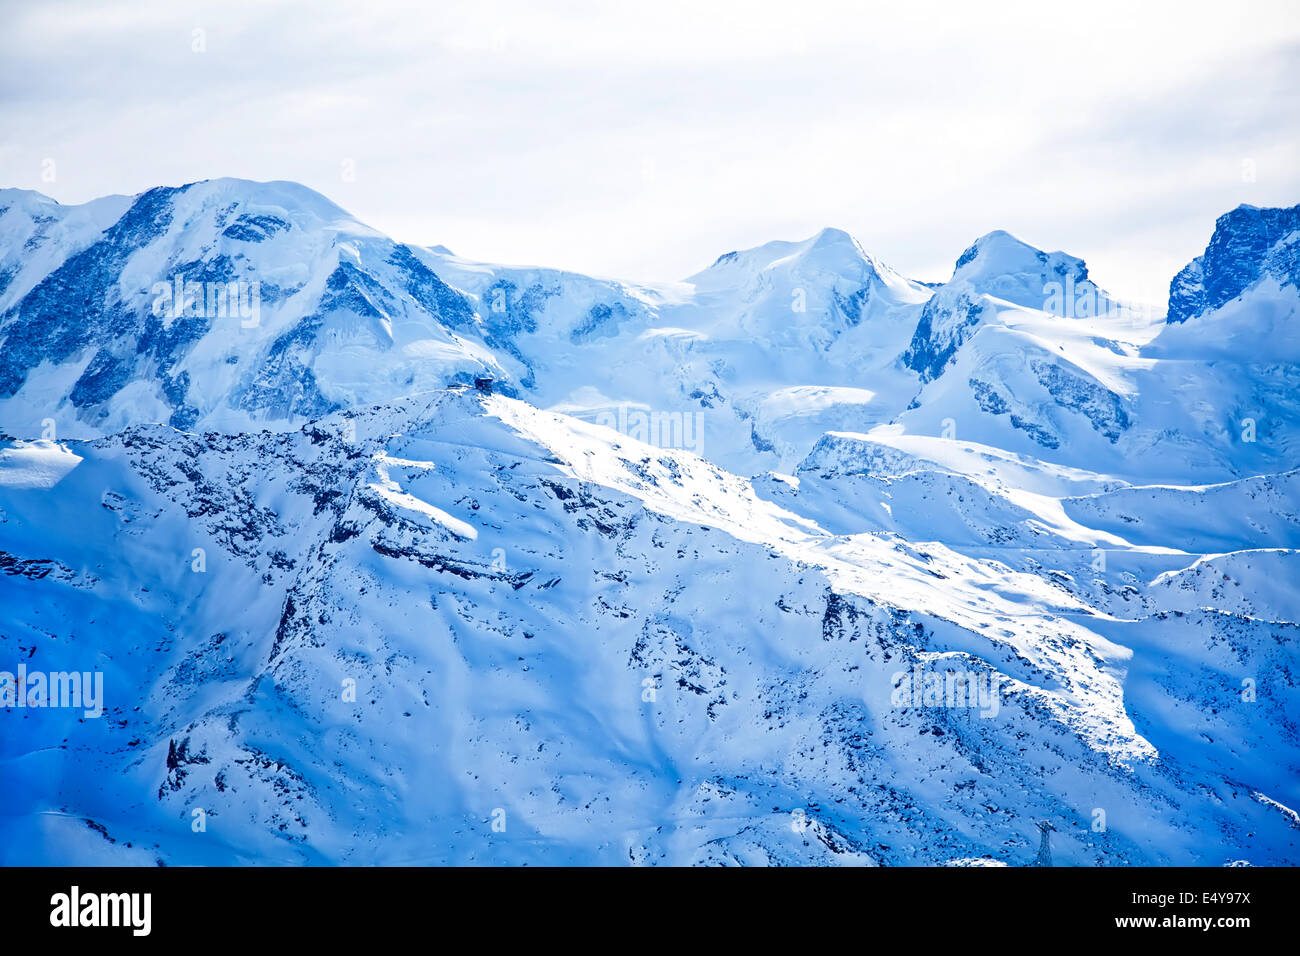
x=796, y=560
x=126, y=311
x=1250, y=247
x=1228, y=362
x=624, y=653
x=221, y=304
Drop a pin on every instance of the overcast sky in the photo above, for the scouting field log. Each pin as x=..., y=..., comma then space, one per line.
x=641, y=140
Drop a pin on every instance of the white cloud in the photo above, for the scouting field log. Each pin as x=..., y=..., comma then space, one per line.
x=642, y=140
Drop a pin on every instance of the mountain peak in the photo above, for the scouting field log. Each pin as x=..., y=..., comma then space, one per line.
x=778, y=250
x=13, y=194
x=1249, y=243
x=1000, y=253
x=297, y=201
x=1005, y=267
x=831, y=236
x=830, y=251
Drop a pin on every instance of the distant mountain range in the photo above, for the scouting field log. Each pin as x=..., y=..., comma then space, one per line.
x=774, y=345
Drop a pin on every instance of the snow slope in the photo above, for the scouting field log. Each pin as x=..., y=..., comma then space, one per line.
x=501, y=583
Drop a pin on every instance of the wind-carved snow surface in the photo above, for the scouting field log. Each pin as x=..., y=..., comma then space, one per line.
x=348, y=609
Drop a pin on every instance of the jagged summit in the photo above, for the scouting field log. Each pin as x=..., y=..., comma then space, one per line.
x=1249, y=244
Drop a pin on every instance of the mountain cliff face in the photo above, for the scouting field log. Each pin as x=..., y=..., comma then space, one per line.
x=1249, y=245
x=1007, y=553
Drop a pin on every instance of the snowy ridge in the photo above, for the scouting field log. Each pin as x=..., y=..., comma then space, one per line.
x=769, y=347
x=622, y=562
